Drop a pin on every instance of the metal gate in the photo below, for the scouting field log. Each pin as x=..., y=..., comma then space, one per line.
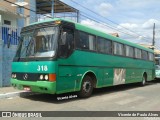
x=7, y=52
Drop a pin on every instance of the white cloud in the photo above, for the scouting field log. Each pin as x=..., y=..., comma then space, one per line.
x=129, y=26
x=136, y=32
x=103, y=27
x=104, y=8
x=149, y=24
x=88, y=22
x=99, y=26
x=136, y=4
x=143, y=31
x=135, y=15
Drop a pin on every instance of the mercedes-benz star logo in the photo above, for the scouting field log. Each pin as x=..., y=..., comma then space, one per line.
x=25, y=76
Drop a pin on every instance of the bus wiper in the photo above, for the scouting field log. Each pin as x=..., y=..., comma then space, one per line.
x=8, y=42
x=29, y=45
x=19, y=52
x=31, y=40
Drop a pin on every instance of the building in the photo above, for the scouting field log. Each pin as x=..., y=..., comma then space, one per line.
x=12, y=18
x=15, y=14
x=115, y=34
x=156, y=51
x=12, y=12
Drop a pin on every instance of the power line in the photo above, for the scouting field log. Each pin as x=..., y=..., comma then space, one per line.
x=103, y=24
x=104, y=17
x=147, y=40
x=81, y=14
x=157, y=46
x=86, y=16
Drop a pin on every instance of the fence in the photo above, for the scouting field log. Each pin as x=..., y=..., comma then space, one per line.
x=7, y=53
x=13, y=31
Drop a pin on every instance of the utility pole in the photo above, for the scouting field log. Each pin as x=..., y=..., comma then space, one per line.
x=52, y=10
x=153, y=41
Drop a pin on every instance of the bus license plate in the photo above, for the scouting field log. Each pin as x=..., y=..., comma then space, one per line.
x=27, y=88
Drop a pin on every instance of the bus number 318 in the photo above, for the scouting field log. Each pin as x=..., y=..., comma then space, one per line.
x=42, y=68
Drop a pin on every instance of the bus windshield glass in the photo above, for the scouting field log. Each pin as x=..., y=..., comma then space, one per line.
x=39, y=42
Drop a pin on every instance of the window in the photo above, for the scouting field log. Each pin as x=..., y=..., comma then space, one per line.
x=118, y=49
x=104, y=46
x=92, y=42
x=86, y=41
x=41, y=42
x=138, y=53
x=6, y=22
x=144, y=55
x=151, y=56
x=65, y=48
x=129, y=51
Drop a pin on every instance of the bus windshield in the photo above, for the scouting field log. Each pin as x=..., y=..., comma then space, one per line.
x=39, y=42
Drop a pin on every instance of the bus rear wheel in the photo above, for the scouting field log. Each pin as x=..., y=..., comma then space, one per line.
x=86, y=87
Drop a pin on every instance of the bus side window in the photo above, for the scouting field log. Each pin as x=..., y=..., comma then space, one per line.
x=86, y=41
x=151, y=56
x=101, y=46
x=118, y=49
x=138, y=53
x=104, y=45
x=92, y=42
x=144, y=55
x=129, y=51
x=67, y=47
x=83, y=41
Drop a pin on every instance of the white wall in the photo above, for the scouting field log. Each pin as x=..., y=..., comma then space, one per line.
x=9, y=17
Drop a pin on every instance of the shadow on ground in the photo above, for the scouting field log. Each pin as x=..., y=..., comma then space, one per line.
x=69, y=97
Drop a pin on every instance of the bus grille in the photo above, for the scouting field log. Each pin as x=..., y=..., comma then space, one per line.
x=27, y=76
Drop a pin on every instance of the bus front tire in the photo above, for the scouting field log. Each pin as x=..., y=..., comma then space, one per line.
x=86, y=87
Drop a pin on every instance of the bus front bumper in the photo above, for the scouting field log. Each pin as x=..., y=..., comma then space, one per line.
x=36, y=86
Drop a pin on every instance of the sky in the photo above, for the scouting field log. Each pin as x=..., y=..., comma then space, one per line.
x=132, y=19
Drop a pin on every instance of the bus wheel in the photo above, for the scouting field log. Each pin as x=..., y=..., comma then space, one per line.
x=86, y=87
x=144, y=79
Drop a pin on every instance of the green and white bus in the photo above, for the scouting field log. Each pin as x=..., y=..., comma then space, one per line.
x=157, y=69
x=59, y=56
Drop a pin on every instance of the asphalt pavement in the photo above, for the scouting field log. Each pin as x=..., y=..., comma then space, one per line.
x=130, y=97
x=8, y=92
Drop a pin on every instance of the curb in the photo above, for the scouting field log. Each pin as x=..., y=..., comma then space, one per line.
x=14, y=94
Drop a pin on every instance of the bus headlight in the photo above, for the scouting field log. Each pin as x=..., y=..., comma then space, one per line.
x=41, y=77
x=46, y=77
x=14, y=75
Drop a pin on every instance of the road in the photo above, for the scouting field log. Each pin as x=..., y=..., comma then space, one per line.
x=130, y=97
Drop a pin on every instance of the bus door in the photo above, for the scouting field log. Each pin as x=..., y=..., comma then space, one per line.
x=66, y=70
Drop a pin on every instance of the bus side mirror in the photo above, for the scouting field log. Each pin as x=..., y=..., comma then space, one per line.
x=63, y=38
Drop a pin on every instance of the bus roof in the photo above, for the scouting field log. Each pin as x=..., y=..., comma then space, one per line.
x=95, y=32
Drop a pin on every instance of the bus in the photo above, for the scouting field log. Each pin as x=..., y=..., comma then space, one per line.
x=157, y=69
x=59, y=56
